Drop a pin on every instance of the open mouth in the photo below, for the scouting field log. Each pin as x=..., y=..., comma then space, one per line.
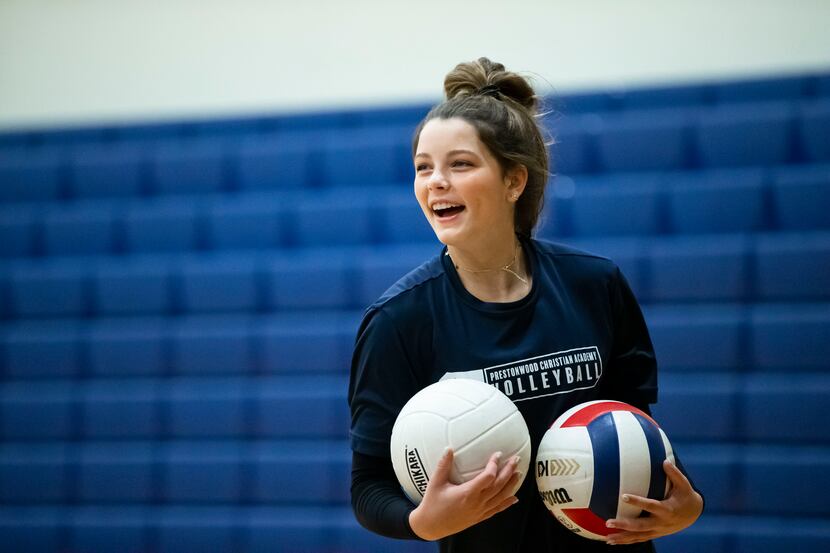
x=445, y=211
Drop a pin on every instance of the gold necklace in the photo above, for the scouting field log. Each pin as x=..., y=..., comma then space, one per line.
x=506, y=268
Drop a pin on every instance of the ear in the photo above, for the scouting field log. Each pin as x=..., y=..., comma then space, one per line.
x=516, y=180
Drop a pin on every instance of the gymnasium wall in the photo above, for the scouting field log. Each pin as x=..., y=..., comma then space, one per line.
x=94, y=61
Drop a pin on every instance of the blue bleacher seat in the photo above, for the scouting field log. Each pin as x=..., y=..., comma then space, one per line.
x=616, y=207
x=29, y=175
x=378, y=271
x=108, y=529
x=745, y=134
x=128, y=347
x=644, y=140
x=711, y=397
x=698, y=338
x=274, y=163
x=813, y=122
x=51, y=288
x=781, y=407
x=33, y=474
x=574, y=140
x=367, y=157
x=212, y=346
x=708, y=533
x=225, y=126
x=118, y=409
x=164, y=225
x=17, y=231
x=82, y=229
x=794, y=266
x=202, y=529
x=801, y=196
x=307, y=282
x=301, y=472
x=556, y=217
x=120, y=473
x=333, y=220
x=791, y=476
x=727, y=200
x=135, y=285
x=186, y=167
x=252, y=221
x=764, y=535
x=294, y=528
x=823, y=85
x=401, y=219
x=790, y=337
x=285, y=343
x=761, y=89
x=581, y=102
x=350, y=537
x=36, y=350
x=201, y=473
x=227, y=283
x=37, y=411
x=663, y=96
x=408, y=116
x=714, y=471
x=302, y=408
x=30, y=530
x=707, y=268
x=107, y=171
x=206, y=408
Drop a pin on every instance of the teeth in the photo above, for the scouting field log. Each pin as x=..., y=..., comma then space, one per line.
x=443, y=205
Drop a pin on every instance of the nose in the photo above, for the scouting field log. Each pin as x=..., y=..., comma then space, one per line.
x=437, y=180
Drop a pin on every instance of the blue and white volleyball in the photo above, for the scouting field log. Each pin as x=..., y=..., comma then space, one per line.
x=473, y=418
x=592, y=455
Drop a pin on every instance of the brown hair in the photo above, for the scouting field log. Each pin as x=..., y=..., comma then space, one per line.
x=502, y=107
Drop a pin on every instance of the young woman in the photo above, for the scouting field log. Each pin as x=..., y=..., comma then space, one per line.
x=494, y=297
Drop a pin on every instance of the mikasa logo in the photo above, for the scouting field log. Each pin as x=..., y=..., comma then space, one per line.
x=416, y=469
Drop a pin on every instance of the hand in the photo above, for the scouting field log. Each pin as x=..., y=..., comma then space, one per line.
x=679, y=510
x=449, y=508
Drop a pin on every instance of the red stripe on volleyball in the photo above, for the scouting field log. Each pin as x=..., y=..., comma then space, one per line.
x=586, y=519
x=588, y=413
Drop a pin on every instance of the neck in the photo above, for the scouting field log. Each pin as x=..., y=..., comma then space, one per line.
x=497, y=273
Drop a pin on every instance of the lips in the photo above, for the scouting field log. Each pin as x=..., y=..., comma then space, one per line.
x=445, y=210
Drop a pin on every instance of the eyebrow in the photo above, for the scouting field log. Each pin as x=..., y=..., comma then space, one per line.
x=451, y=152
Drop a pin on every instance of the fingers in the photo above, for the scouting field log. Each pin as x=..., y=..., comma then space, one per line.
x=506, y=479
x=486, y=477
x=501, y=506
x=678, y=479
x=633, y=524
x=651, y=505
x=441, y=475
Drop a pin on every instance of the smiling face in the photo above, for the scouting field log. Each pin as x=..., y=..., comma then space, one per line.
x=461, y=187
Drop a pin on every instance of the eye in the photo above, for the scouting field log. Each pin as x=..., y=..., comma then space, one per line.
x=461, y=163
x=421, y=167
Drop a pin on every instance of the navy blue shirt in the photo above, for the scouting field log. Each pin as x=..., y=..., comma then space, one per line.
x=578, y=335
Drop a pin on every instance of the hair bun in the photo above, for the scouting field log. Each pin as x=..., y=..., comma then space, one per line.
x=483, y=77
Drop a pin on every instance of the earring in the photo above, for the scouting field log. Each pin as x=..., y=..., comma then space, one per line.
x=514, y=196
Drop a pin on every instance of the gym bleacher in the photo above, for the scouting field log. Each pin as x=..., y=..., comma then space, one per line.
x=179, y=302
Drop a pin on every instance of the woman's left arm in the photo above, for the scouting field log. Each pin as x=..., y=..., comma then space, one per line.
x=679, y=510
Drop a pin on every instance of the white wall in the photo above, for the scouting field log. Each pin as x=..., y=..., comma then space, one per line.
x=89, y=61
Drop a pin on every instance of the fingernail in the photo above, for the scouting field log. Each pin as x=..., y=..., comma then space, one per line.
x=498, y=456
x=610, y=524
x=446, y=451
x=626, y=498
x=609, y=542
x=515, y=500
x=516, y=459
